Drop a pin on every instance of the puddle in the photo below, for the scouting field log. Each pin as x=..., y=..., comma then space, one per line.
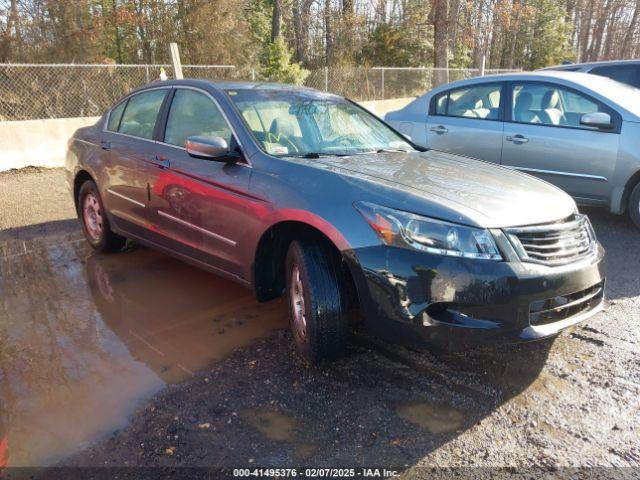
x=85, y=338
x=272, y=424
x=432, y=417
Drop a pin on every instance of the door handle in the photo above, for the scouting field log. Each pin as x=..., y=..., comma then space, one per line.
x=517, y=139
x=161, y=161
x=439, y=129
x=105, y=145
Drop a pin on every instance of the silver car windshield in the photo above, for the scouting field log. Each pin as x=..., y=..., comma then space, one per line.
x=303, y=124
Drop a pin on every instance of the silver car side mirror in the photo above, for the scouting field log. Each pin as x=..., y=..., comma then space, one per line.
x=600, y=120
x=208, y=148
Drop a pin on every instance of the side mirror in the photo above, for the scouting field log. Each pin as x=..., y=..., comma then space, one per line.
x=209, y=148
x=599, y=120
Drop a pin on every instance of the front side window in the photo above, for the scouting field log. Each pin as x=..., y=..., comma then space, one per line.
x=292, y=123
x=550, y=105
x=140, y=114
x=193, y=113
x=479, y=102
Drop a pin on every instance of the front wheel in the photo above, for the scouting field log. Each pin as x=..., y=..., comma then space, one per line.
x=634, y=205
x=317, y=301
x=95, y=223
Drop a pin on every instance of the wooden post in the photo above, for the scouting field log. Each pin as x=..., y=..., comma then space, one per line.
x=175, y=60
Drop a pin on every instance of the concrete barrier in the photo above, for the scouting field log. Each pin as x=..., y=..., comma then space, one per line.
x=37, y=143
x=43, y=143
x=381, y=107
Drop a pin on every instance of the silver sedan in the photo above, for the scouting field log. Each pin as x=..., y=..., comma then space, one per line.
x=578, y=131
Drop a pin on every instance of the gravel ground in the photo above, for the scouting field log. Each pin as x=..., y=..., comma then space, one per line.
x=569, y=402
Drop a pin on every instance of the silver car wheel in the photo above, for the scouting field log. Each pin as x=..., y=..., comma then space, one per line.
x=297, y=303
x=92, y=216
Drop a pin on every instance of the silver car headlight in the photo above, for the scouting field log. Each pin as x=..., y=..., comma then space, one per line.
x=408, y=230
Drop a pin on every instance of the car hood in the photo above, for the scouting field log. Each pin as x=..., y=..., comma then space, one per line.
x=479, y=193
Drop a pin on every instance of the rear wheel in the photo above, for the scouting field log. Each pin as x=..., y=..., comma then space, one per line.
x=317, y=301
x=634, y=205
x=95, y=223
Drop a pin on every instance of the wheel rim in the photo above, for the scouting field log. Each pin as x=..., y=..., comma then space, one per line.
x=297, y=303
x=92, y=216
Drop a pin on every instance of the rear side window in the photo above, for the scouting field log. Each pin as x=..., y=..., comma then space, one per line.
x=140, y=114
x=478, y=102
x=115, y=116
x=622, y=73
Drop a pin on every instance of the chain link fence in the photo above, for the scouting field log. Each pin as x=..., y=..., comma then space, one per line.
x=40, y=91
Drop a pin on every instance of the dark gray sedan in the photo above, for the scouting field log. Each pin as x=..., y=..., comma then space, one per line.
x=291, y=190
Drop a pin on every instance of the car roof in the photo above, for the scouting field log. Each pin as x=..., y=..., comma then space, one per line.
x=225, y=85
x=577, y=78
x=594, y=64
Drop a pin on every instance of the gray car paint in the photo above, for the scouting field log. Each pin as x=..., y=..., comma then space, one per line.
x=595, y=167
x=318, y=192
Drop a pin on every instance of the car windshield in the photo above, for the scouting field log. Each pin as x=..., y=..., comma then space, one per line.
x=310, y=124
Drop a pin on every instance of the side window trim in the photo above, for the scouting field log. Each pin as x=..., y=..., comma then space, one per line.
x=126, y=99
x=615, y=116
x=433, y=107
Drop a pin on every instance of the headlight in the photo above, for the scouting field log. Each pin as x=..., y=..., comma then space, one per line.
x=403, y=229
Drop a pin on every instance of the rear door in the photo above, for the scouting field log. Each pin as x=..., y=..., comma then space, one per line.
x=200, y=205
x=543, y=137
x=129, y=160
x=468, y=121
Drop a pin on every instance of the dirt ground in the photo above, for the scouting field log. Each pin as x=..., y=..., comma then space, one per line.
x=155, y=363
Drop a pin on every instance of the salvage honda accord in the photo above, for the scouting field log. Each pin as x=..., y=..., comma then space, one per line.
x=290, y=190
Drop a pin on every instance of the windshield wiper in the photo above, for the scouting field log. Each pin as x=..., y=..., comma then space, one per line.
x=319, y=154
x=393, y=150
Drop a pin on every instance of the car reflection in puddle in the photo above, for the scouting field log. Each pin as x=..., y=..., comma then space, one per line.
x=82, y=345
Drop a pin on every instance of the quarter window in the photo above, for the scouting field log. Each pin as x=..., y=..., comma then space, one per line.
x=550, y=105
x=115, y=116
x=479, y=102
x=194, y=114
x=140, y=114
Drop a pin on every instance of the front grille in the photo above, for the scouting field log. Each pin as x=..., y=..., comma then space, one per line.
x=554, y=243
x=565, y=306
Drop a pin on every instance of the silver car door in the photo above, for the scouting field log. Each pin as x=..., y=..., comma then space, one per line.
x=467, y=121
x=543, y=136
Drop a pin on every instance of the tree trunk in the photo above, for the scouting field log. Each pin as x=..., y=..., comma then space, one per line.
x=328, y=33
x=301, y=11
x=276, y=20
x=627, y=44
x=440, y=40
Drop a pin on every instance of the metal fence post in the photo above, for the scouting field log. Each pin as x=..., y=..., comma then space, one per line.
x=253, y=74
x=146, y=68
x=482, y=65
x=382, y=82
x=326, y=79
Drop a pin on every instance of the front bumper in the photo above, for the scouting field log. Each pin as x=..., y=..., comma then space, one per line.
x=412, y=297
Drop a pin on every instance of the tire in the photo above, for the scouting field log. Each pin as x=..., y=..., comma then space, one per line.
x=315, y=290
x=634, y=206
x=95, y=223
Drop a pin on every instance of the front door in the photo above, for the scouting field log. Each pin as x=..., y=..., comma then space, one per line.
x=544, y=138
x=467, y=121
x=200, y=205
